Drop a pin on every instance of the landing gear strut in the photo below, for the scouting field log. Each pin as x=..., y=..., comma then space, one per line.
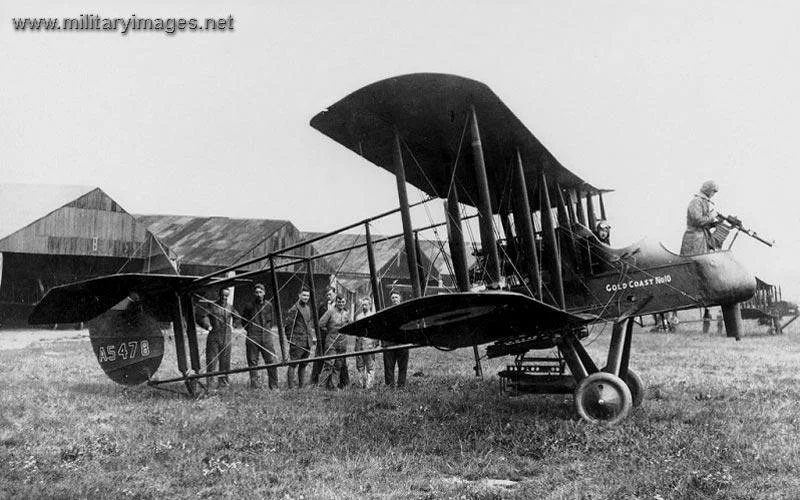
x=608, y=396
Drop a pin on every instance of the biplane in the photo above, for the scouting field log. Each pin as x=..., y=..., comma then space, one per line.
x=768, y=307
x=542, y=275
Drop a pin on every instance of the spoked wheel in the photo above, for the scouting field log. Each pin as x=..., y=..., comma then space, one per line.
x=635, y=385
x=603, y=398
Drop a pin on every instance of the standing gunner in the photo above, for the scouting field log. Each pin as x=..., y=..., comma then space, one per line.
x=701, y=217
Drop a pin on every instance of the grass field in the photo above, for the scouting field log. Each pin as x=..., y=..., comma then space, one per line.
x=720, y=420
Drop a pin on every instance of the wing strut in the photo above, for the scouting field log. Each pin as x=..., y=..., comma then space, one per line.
x=423, y=273
x=524, y=225
x=511, y=242
x=579, y=207
x=565, y=212
x=602, y=206
x=570, y=208
x=561, y=207
x=312, y=288
x=458, y=254
x=590, y=211
x=191, y=331
x=177, y=330
x=276, y=304
x=455, y=239
x=486, y=221
x=377, y=295
x=405, y=214
x=550, y=241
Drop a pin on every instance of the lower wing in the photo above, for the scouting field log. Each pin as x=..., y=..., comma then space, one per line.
x=464, y=319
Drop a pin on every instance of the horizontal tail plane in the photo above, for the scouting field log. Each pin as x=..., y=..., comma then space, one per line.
x=85, y=300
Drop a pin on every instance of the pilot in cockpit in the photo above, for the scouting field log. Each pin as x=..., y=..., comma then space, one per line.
x=603, y=232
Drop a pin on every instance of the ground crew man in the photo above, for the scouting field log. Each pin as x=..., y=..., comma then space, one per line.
x=365, y=363
x=326, y=305
x=335, y=343
x=302, y=338
x=397, y=358
x=219, y=318
x=260, y=339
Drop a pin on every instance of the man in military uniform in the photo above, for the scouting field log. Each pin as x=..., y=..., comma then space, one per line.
x=260, y=339
x=325, y=306
x=365, y=363
x=335, y=343
x=701, y=217
x=219, y=319
x=397, y=358
x=301, y=337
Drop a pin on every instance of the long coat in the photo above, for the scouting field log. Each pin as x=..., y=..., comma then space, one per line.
x=298, y=331
x=700, y=218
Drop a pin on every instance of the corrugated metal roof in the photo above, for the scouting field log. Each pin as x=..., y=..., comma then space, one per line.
x=23, y=204
x=439, y=255
x=355, y=261
x=353, y=284
x=214, y=241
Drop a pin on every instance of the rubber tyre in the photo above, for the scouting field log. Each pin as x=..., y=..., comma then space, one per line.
x=603, y=398
x=636, y=386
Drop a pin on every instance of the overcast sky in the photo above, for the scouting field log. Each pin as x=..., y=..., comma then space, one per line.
x=646, y=98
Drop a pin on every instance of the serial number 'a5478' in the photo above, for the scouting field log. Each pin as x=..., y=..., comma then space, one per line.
x=125, y=351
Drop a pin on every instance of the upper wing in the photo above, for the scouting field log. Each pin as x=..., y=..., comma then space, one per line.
x=430, y=111
x=463, y=319
x=84, y=300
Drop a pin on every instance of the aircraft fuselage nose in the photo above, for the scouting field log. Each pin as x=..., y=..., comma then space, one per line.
x=724, y=279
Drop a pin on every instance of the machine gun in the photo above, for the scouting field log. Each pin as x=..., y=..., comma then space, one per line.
x=728, y=222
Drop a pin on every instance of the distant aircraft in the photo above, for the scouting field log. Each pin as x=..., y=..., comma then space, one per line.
x=768, y=307
x=546, y=276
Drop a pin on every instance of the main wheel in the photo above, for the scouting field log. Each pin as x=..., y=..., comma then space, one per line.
x=636, y=386
x=603, y=398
